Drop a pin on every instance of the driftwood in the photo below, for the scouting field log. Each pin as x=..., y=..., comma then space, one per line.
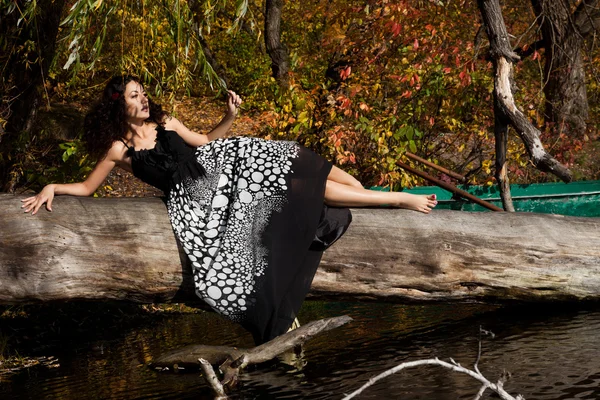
x=124, y=249
x=475, y=373
x=497, y=387
x=218, y=355
x=233, y=360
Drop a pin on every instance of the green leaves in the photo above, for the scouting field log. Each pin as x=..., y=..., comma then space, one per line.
x=69, y=148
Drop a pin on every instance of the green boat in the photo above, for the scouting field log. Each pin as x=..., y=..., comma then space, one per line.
x=580, y=199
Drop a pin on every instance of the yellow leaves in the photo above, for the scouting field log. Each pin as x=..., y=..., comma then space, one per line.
x=303, y=117
x=486, y=165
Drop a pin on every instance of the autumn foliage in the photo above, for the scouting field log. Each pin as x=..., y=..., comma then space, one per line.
x=368, y=81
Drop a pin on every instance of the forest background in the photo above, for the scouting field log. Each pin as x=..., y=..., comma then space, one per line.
x=360, y=82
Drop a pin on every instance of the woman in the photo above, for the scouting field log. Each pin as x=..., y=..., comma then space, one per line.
x=249, y=213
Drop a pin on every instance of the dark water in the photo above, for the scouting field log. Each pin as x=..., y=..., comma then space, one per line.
x=550, y=353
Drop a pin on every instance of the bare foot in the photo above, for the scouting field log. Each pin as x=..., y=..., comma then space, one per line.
x=421, y=203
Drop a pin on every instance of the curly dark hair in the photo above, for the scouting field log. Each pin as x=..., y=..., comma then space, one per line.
x=107, y=121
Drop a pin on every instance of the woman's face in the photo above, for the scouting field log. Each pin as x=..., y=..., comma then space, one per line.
x=136, y=102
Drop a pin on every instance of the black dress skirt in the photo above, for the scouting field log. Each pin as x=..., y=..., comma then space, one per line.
x=249, y=214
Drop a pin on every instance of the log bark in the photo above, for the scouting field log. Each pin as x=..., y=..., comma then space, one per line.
x=124, y=249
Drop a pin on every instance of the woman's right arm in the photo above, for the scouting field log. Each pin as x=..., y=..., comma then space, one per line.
x=85, y=188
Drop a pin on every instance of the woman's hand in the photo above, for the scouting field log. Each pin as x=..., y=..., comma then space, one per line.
x=233, y=103
x=35, y=202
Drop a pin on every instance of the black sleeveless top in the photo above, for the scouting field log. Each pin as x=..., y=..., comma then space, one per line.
x=168, y=163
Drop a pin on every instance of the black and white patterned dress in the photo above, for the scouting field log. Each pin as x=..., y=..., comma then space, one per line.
x=249, y=214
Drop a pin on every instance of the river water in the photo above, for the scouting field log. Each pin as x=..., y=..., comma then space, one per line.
x=549, y=352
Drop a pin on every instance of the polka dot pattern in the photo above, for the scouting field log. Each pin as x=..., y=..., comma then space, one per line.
x=219, y=219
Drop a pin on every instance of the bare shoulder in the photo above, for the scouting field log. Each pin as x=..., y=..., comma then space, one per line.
x=190, y=137
x=172, y=123
x=117, y=152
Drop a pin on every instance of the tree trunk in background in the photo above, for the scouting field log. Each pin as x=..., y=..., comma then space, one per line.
x=564, y=74
x=280, y=64
x=505, y=110
x=26, y=78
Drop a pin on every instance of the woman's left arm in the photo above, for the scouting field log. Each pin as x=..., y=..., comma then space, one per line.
x=197, y=139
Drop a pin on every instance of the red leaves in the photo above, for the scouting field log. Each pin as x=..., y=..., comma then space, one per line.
x=336, y=139
x=431, y=29
x=345, y=72
x=344, y=102
x=465, y=77
x=394, y=27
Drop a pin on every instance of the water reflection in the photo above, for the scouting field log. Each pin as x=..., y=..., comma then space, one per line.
x=551, y=355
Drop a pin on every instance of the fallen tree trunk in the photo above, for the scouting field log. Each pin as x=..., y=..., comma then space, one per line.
x=124, y=249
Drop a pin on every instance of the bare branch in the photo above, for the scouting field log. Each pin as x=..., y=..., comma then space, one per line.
x=480, y=393
x=496, y=387
x=188, y=356
x=505, y=109
x=213, y=381
x=525, y=129
x=587, y=17
x=525, y=52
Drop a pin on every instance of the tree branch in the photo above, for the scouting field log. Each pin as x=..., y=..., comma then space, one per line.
x=453, y=366
x=504, y=105
x=212, y=380
x=526, y=51
x=587, y=17
x=233, y=360
x=525, y=129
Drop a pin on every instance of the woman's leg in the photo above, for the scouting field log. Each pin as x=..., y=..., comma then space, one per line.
x=341, y=176
x=342, y=195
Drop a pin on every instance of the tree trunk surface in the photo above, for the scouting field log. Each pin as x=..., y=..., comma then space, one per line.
x=564, y=73
x=125, y=249
x=280, y=64
x=505, y=108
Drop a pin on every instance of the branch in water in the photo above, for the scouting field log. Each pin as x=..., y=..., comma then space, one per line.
x=452, y=365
